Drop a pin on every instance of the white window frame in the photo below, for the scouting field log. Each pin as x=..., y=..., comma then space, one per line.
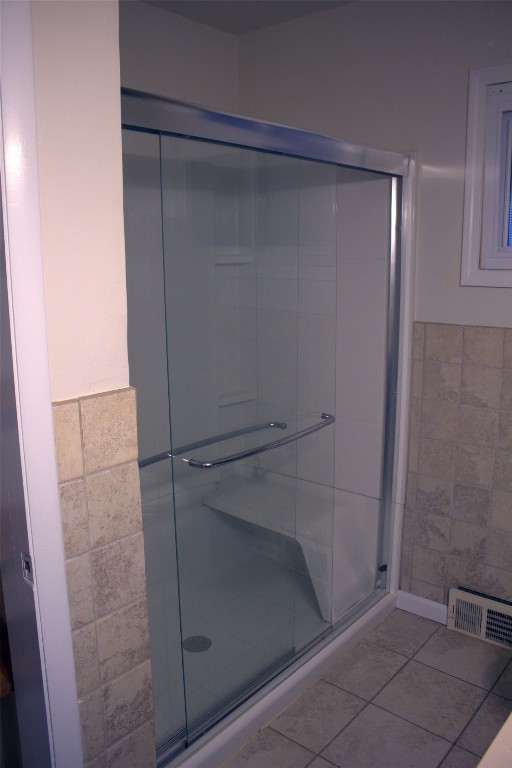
x=486, y=260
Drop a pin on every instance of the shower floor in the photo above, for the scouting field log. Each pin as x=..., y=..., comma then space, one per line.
x=412, y=694
x=246, y=592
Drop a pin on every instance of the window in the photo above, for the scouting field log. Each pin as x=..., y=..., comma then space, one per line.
x=487, y=234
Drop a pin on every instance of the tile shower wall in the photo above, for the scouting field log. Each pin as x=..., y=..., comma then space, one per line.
x=458, y=518
x=96, y=442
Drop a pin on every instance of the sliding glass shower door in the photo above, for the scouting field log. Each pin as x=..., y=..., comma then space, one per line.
x=231, y=272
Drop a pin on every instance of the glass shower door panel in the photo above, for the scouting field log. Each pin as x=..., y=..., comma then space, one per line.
x=148, y=373
x=235, y=534
x=316, y=390
x=364, y=215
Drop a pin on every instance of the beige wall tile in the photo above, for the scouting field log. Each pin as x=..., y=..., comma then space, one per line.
x=443, y=342
x=428, y=566
x=113, y=498
x=418, y=340
x=471, y=504
x=482, y=346
x=507, y=348
x=462, y=572
x=118, y=574
x=441, y=382
x=75, y=527
x=473, y=465
x=85, y=650
x=432, y=531
x=109, y=429
x=123, y=640
x=128, y=702
x=499, y=550
x=498, y=582
x=502, y=480
x=501, y=510
x=506, y=391
x=68, y=441
x=468, y=541
x=412, y=459
x=433, y=495
x=99, y=762
x=436, y=459
x=407, y=544
x=453, y=485
x=505, y=431
x=439, y=421
x=414, y=426
x=417, y=378
x=480, y=386
x=410, y=493
x=78, y=575
x=477, y=427
x=405, y=572
x=102, y=430
x=92, y=719
x=136, y=750
x=428, y=591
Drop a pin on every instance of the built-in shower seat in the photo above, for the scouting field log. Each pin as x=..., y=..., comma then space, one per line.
x=269, y=501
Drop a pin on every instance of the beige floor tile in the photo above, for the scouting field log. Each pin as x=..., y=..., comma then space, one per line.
x=431, y=699
x=403, y=632
x=365, y=669
x=318, y=715
x=504, y=685
x=319, y=762
x=459, y=758
x=485, y=724
x=465, y=657
x=378, y=738
x=269, y=749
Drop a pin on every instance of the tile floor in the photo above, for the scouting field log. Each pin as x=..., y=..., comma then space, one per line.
x=412, y=694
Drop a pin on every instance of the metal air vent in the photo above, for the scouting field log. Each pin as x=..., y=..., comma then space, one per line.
x=481, y=616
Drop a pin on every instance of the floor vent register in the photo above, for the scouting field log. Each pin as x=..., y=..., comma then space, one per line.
x=479, y=615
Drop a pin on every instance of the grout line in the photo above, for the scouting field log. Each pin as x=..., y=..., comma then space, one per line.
x=411, y=722
x=454, y=677
x=471, y=720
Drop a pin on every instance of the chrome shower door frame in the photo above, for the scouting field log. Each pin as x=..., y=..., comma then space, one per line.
x=141, y=111
x=154, y=113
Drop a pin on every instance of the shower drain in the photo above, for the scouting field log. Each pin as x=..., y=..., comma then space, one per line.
x=196, y=643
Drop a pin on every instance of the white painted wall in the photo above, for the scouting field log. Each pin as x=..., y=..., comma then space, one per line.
x=393, y=75
x=171, y=56
x=76, y=66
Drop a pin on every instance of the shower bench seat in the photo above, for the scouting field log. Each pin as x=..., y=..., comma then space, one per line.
x=272, y=504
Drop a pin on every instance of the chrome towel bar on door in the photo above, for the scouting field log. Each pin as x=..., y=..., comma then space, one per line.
x=325, y=420
x=211, y=440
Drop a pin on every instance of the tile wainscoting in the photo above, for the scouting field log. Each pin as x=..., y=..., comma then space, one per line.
x=96, y=444
x=458, y=516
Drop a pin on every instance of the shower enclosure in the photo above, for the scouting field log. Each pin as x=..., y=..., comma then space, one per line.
x=263, y=280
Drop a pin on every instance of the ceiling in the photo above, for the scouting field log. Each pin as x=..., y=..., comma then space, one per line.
x=241, y=16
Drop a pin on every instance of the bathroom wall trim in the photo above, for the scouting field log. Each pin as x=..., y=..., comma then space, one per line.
x=429, y=609
x=32, y=382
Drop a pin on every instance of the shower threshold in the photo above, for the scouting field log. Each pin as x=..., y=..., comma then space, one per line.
x=252, y=710
x=184, y=739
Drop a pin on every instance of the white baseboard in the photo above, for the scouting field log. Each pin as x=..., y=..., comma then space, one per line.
x=429, y=609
